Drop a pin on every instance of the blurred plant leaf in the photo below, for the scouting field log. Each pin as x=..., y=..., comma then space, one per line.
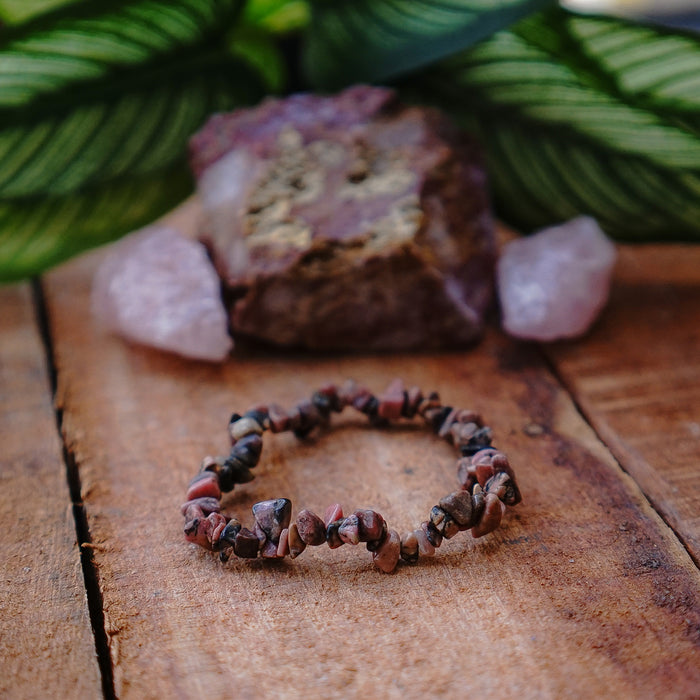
x=18, y=11
x=372, y=40
x=38, y=233
x=278, y=16
x=90, y=103
x=585, y=114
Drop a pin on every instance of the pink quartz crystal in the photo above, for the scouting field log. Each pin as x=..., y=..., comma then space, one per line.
x=158, y=288
x=554, y=283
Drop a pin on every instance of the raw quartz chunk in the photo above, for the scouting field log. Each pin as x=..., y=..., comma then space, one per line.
x=554, y=283
x=346, y=222
x=158, y=288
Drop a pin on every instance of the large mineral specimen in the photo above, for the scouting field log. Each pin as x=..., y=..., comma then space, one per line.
x=346, y=222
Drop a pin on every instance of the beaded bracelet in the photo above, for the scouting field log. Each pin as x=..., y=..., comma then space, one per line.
x=486, y=479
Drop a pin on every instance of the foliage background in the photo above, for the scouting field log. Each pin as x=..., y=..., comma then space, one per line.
x=577, y=114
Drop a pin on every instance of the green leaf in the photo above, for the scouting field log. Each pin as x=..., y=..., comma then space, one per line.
x=96, y=40
x=134, y=131
x=585, y=114
x=278, y=16
x=111, y=124
x=18, y=11
x=372, y=40
x=36, y=234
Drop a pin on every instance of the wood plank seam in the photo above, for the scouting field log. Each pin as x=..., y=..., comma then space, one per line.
x=609, y=445
x=82, y=530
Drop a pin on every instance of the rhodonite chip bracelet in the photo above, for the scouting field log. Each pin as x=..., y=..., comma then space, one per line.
x=487, y=482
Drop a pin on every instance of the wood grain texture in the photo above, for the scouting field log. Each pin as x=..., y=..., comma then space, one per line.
x=637, y=378
x=46, y=643
x=584, y=591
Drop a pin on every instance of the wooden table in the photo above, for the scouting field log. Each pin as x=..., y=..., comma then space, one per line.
x=589, y=589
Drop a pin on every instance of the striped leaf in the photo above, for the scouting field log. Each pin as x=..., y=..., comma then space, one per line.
x=35, y=234
x=96, y=40
x=18, y=11
x=585, y=114
x=372, y=40
x=138, y=132
x=99, y=99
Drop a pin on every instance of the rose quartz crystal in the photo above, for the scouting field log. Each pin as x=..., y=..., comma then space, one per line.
x=346, y=222
x=554, y=283
x=158, y=288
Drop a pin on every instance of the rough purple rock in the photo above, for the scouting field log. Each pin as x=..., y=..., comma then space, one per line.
x=346, y=222
x=554, y=283
x=158, y=288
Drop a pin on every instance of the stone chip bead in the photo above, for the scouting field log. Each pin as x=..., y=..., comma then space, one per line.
x=386, y=556
x=204, y=485
x=491, y=517
x=484, y=473
x=312, y=530
x=272, y=517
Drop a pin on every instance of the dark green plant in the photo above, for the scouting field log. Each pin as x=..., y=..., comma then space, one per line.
x=577, y=114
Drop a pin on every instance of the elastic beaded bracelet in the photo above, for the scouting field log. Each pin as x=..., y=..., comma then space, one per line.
x=486, y=479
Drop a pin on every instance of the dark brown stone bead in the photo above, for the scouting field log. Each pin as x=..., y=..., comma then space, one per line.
x=309, y=418
x=332, y=536
x=371, y=525
x=248, y=450
x=228, y=534
x=272, y=517
x=360, y=398
x=409, y=547
x=491, y=517
x=443, y=522
x=296, y=544
x=279, y=418
x=504, y=486
x=246, y=544
x=459, y=505
x=312, y=530
x=391, y=402
x=330, y=391
x=204, y=505
x=413, y=398
x=432, y=533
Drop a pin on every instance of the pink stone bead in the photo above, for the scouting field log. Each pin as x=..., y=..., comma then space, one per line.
x=424, y=545
x=206, y=505
x=391, y=401
x=349, y=531
x=371, y=525
x=312, y=530
x=205, y=484
x=296, y=544
x=269, y=550
x=491, y=517
x=333, y=512
x=283, y=545
x=279, y=418
x=386, y=557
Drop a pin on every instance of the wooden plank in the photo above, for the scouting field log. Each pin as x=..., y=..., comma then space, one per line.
x=637, y=378
x=583, y=591
x=46, y=644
